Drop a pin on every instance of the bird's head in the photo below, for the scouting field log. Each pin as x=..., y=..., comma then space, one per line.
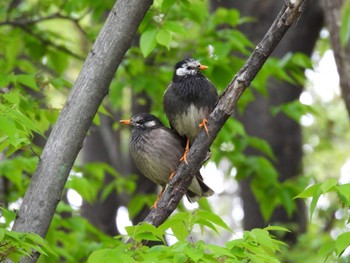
x=188, y=67
x=143, y=121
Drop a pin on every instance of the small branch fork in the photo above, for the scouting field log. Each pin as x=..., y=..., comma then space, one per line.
x=289, y=13
x=26, y=23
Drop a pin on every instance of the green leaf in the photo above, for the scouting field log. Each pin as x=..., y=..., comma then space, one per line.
x=327, y=185
x=314, y=201
x=25, y=121
x=261, y=145
x=262, y=236
x=148, y=42
x=28, y=81
x=109, y=255
x=167, y=4
x=145, y=231
x=194, y=253
x=342, y=242
x=277, y=228
x=7, y=126
x=8, y=215
x=344, y=193
x=2, y=234
x=345, y=24
x=308, y=192
x=164, y=38
x=180, y=231
x=174, y=27
x=327, y=249
x=210, y=216
x=294, y=110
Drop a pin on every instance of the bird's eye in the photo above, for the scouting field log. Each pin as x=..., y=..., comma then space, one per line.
x=141, y=121
x=188, y=68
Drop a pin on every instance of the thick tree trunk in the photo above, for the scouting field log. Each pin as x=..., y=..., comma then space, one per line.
x=66, y=138
x=282, y=133
x=332, y=12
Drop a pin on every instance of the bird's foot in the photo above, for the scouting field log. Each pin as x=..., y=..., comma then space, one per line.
x=171, y=176
x=203, y=124
x=187, y=148
x=184, y=156
x=155, y=205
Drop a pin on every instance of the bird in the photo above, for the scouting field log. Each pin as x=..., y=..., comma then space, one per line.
x=156, y=151
x=188, y=100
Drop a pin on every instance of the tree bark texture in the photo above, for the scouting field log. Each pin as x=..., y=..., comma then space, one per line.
x=332, y=12
x=67, y=136
x=289, y=13
x=282, y=133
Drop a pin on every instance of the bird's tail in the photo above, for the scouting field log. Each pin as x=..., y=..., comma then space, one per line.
x=206, y=191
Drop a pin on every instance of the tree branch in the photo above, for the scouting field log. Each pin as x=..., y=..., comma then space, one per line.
x=67, y=136
x=341, y=54
x=24, y=24
x=289, y=13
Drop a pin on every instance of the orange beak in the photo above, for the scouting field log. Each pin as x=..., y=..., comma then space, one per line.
x=127, y=122
x=202, y=67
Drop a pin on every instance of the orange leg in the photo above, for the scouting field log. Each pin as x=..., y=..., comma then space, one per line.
x=159, y=196
x=171, y=176
x=203, y=124
x=184, y=156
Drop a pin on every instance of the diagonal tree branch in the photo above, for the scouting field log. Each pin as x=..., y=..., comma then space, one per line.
x=67, y=136
x=289, y=13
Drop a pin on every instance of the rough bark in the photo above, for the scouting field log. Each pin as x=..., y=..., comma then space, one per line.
x=282, y=133
x=67, y=136
x=224, y=109
x=332, y=11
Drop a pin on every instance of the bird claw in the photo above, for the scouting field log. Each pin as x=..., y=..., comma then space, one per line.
x=203, y=124
x=184, y=156
x=171, y=176
x=155, y=205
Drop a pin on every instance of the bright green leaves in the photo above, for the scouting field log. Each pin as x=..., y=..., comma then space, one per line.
x=164, y=37
x=345, y=24
x=315, y=191
x=110, y=255
x=21, y=117
x=16, y=129
x=329, y=185
x=336, y=246
x=14, y=245
x=294, y=110
x=223, y=16
x=257, y=245
x=148, y=42
x=181, y=224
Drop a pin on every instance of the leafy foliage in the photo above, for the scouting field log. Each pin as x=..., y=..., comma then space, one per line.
x=14, y=245
x=257, y=245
